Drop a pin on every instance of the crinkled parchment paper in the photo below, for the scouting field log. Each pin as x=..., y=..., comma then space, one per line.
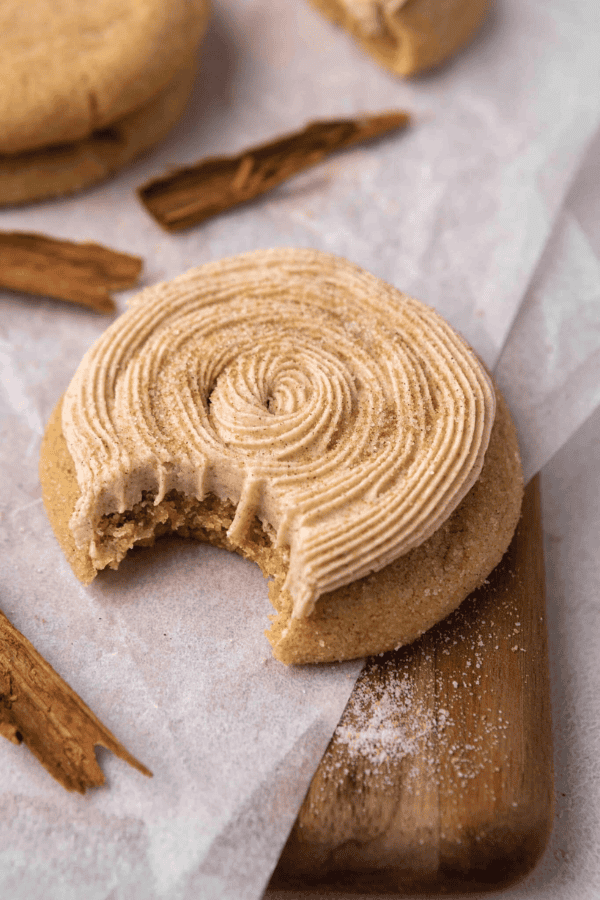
x=549, y=369
x=169, y=652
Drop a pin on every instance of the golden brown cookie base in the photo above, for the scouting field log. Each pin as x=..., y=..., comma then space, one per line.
x=205, y=520
x=61, y=170
x=384, y=610
x=395, y=606
x=71, y=67
x=420, y=35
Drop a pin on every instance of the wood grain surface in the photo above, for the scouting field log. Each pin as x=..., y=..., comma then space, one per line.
x=439, y=776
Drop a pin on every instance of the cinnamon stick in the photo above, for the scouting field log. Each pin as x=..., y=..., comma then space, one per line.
x=39, y=709
x=192, y=194
x=80, y=273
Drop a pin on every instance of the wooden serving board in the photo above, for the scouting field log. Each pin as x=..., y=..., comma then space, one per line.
x=463, y=801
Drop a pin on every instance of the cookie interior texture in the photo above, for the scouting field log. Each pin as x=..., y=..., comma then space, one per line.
x=382, y=611
x=409, y=37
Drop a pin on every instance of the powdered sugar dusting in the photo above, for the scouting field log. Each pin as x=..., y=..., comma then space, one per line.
x=387, y=722
x=432, y=712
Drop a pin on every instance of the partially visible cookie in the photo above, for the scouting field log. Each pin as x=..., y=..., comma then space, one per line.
x=87, y=86
x=71, y=67
x=407, y=36
x=66, y=168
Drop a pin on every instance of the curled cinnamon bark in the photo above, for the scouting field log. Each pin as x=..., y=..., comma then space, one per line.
x=80, y=273
x=39, y=709
x=190, y=195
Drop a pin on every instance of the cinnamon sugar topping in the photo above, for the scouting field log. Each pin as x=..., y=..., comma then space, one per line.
x=346, y=416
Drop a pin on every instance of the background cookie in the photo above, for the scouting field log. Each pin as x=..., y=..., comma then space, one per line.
x=88, y=86
x=407, y=36
x=60, y=170
x=71, y=67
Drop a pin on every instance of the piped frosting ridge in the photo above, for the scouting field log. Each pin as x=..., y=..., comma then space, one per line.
x=348, y=417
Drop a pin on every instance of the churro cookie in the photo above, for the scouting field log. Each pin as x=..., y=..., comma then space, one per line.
x=289, y=406
x=88, y=86
x=408, y=36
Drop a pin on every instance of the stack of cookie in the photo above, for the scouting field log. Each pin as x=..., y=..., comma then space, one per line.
x=87, y=85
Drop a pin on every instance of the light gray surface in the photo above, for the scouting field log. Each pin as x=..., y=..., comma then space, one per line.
x=457, y=211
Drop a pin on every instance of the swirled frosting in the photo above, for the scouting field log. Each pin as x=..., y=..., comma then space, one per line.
x=348, y=417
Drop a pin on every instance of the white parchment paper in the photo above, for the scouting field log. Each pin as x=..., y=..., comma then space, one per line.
x=549, y=369
x=169, y=651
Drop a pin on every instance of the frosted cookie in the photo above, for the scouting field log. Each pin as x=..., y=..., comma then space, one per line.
x=88, y=87
x=289, y=406
x=408, y=36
